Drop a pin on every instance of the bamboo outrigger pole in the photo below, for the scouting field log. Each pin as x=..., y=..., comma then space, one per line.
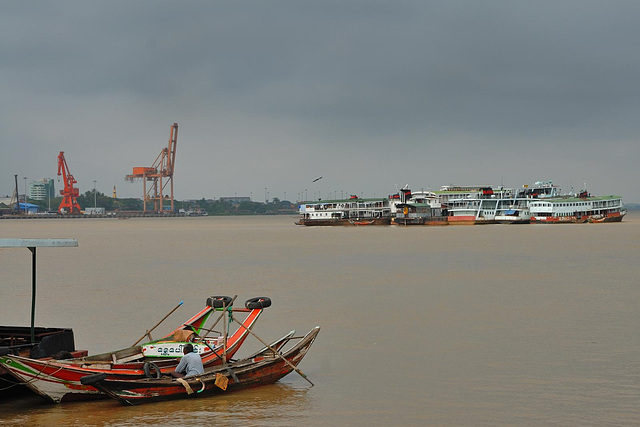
x=148, y=333
x=279, y=355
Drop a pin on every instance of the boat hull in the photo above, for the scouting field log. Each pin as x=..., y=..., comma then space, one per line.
x=435, y=220
x=461, y=220
x=372, y=221
x=611, y=217
x=343, y=222
x=469, y=220
x=512, y=220
x=321, y=222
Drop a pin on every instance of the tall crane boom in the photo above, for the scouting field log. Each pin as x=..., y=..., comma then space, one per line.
x=16, y=197
x=69, y=204
x=160, y=174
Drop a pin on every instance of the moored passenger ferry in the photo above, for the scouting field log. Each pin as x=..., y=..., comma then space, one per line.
x=468, y=205
x=418, y=214
x=492, y=205
x=577, y=209
x=352, y=211
x=419, y=208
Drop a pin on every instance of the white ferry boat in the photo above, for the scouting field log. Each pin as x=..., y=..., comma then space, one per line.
x=492, y=205
x=419, y=208
x=577, y=209
x=515, y=209
x=352, y=211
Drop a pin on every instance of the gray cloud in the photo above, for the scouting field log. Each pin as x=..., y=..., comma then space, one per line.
x=368, y=94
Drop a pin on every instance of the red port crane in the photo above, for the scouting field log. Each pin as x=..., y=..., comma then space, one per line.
x=70, y=194
x=162, y=169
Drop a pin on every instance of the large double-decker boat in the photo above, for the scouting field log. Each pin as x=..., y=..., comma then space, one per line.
x=484, y=204
x=582, y=207
x=352, y=211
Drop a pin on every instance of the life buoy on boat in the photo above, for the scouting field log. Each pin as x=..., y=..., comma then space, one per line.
x=258, y=302
x=148, y=367
x=219, y=301
x=93, y=378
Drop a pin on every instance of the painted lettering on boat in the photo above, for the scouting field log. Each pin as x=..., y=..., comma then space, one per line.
x=174, y=349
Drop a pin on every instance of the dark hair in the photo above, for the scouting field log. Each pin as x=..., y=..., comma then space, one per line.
x=188, y=347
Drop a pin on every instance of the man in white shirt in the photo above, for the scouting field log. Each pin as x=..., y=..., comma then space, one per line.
x=190, y=364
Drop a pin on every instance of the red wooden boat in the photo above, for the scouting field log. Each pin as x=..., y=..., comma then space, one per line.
x=262, y=368
x=59, y=380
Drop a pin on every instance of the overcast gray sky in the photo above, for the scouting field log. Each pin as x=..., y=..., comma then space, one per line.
x=368, y=94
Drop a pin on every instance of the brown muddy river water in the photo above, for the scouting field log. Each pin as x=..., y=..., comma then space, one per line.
x=459, y=325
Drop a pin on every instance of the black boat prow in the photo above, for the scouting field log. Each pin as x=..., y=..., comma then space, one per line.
x=49, y=342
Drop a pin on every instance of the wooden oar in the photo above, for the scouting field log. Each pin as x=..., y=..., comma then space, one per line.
x=279, y=355
x=148, y=333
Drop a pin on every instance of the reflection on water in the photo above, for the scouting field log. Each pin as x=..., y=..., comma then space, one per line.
x=506, y=325
x=264, y=406
x=278, y=404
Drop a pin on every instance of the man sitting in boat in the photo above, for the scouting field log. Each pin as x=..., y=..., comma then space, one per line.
x=190, y=364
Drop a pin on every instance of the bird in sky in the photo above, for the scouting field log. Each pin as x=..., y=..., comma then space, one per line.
x=317, y=179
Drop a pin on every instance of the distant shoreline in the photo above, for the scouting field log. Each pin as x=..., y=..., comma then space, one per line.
x=127, y=216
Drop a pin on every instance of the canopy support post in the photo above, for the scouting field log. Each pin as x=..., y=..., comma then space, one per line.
x=33, y=293
x=32, y=244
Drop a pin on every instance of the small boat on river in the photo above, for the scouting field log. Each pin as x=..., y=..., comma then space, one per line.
x=263, y=368
x=59, y=380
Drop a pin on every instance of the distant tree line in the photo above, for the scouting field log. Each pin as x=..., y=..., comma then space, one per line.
x=212, y=207
x=86, y=200
x=218, y=207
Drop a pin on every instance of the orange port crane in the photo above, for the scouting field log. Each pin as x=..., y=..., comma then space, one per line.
x=160, y=174
x=69, y=204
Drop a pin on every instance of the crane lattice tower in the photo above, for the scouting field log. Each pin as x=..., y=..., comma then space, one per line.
x=159, y=175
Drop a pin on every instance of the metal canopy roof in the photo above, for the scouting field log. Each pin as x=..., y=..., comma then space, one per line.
x=38, y=243
x=32, y=244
